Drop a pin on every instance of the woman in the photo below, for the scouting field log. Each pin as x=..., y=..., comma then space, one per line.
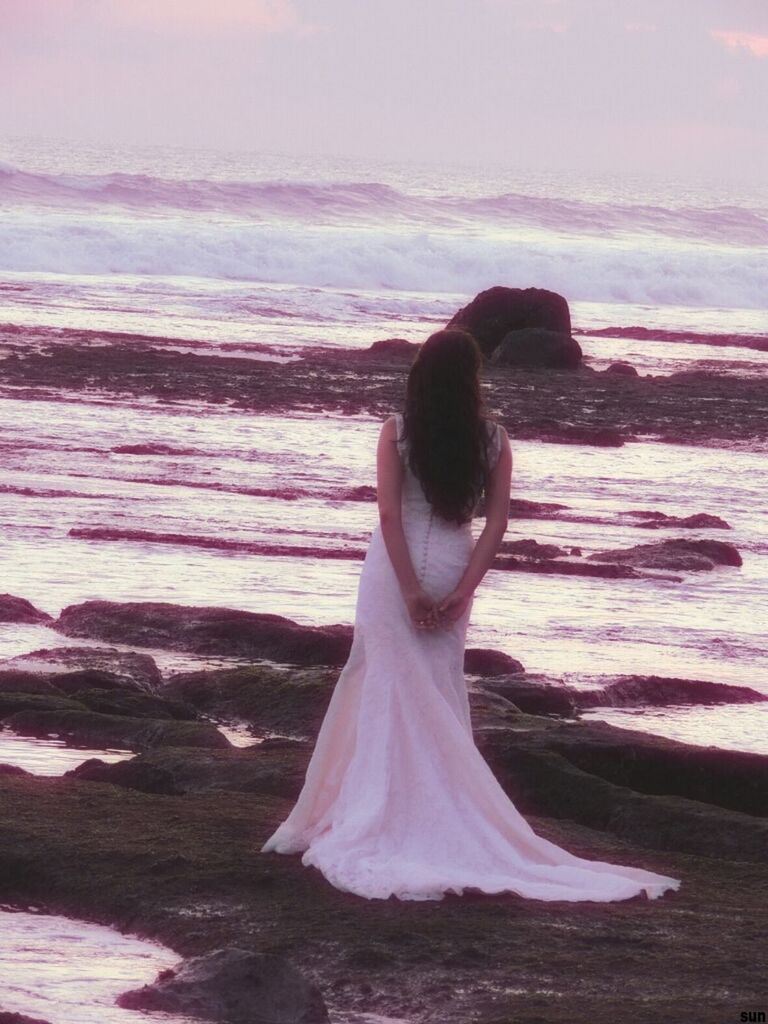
x=397, y=798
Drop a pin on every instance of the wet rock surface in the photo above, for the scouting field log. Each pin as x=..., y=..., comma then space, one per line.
x=168, y=842
x=126, y=669
x=91, y=729
x=235, y=986
x=185, y=869
x=275, y=767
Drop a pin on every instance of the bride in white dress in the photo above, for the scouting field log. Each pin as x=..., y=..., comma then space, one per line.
x=397, y=798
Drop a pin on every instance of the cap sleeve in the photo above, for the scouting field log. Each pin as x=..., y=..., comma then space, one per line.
x=494, y=444
x=399, y=431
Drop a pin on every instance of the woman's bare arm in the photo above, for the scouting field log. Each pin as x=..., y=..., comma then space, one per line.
x=389, y=489
x=489, y=541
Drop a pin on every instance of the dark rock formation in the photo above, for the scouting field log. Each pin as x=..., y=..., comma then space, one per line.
x=19, y=1018
x=492, y=314
x=234, y=986
x=481, y=661
x=134, y=705
x=698, y=521
x=120, y=669
x=533, y=694
x=659, y=691
x=524, y=508
x=270, y=699
x=12, y=769
x=648, y=764
x=275, y=767
x=556, y=565
x=18, y=609
x=621, y=369
x=679, y=553
x=11, y=703
x=535, y=347
x=136, y=773
x=207, y=631
x=554, y=432
x=90, y=729
x=393, y=348
x=566, y=783
x=362, y=493
x=530, y=548
x=19, y=681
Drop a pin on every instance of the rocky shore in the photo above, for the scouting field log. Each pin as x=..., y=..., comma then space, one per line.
x=570, y=406
x=166, y=843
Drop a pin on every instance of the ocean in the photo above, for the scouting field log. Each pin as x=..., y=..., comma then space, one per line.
x=264, y=257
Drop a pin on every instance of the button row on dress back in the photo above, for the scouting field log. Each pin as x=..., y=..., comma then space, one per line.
x=423, y=569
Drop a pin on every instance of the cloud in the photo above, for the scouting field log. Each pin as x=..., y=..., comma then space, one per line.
x=756, y=45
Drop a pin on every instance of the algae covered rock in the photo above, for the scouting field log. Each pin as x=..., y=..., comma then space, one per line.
x=234, y=986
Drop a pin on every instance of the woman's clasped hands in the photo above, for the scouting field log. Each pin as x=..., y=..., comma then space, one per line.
x=427, y=613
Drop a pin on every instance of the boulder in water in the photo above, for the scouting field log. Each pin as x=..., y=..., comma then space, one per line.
x=621, y=369
x=492, y=314
x=483, y=661
x=679, y=553
x=393, y=348
x=18, y=609
x=537, y=347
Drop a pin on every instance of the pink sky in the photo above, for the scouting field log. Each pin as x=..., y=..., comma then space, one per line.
x=607, y=85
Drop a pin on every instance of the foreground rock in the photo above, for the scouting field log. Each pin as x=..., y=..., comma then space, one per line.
x=633, y=783
x=187, y=871
x=275, y=767
x=234, y=986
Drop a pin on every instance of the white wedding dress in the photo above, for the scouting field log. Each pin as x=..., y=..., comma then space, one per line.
x=397, y=798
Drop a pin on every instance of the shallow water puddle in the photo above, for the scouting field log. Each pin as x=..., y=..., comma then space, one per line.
x=70, y=972
x=49, y=756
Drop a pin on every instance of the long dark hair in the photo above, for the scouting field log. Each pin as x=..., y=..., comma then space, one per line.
x=444, y=423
